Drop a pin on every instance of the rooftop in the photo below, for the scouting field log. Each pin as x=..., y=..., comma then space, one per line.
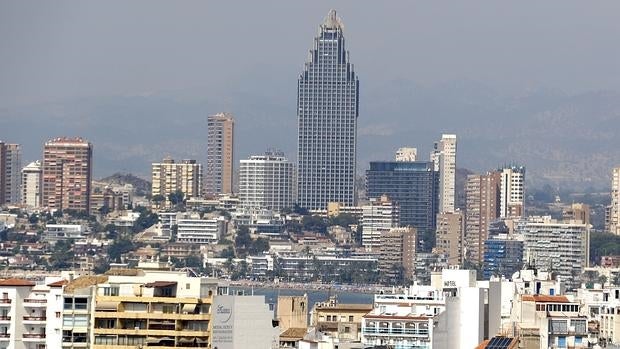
x=17, y=283
x=544, y=299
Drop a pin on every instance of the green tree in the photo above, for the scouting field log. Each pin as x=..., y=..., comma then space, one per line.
x=314, y=224
x=62, y=256
x=243, y=241
x=120, y=247
x=343, y=220
x=158, y=199
x=259, y=245
x=176, y=198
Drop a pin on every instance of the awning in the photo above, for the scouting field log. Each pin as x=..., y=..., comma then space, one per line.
x=189, y=308
x=107, y=306
x=157, y=340
x=161, y=284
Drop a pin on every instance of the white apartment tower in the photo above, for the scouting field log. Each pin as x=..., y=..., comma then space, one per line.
x=614, y=210
x=406, y=154
x=266, y=182
x=444, y=159
x=31, y=184
x=379, y=216
x=220, y=154
x=512, y=192
x=556, y=246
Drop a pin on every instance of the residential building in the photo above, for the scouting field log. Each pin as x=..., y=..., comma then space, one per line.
x=169, y=177
x=336, y=208
x=577, y=212
x=613, y=222
x=413, y=185
x=558, y=246
x=327, y=111
x=30, y=314
x=503, y=255
x=512, y=192
x=397, y=255
x=220, y=154
x=406, y=154
x=379, y=216
x=10, y=177
x=266, y=182
x=449, y=236
x=55, y=232
x=31, y=184
x=542, y=321
x=67, y=174
x=443, y=157
x=195, y=230
x=483, y=207
x=339, y=320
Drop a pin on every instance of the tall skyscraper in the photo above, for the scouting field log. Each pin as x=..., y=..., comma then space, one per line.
x=413, y=185
x=31, y=184
x=220, y=154
x=613, y=222
x=266, y=182
x=10, y=176
x=444, y=159
x=483, y=205
x=327, y=110
x=512, y=192
x=67, y=174
x=169, y=177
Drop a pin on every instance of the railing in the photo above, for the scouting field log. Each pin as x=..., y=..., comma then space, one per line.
x=33, y=335
x=5, y=335
x=35, y=300
x=5, y=301
x=35, y=318
x=5, y=318
x=384, y=330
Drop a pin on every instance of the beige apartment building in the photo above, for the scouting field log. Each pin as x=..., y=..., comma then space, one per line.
x=449, y=236
x=10, y=176
x=67, y=174
x=397, y=248
x=483, y=206
x=169, y=177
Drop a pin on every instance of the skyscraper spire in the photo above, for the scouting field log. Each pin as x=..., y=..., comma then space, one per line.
x=332, y=21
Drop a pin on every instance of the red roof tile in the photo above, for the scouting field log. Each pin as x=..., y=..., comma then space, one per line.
x=17, y=282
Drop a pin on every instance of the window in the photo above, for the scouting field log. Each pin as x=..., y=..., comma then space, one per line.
x=110, y=291
x=350, y=318
x=58, y=315
x=347, y=329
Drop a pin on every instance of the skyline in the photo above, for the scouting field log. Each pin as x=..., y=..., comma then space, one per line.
x=409, y=102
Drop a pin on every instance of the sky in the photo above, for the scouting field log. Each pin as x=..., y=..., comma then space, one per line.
x=58, y=50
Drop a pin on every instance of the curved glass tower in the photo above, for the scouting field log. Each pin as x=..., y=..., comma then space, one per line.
x=327, y=110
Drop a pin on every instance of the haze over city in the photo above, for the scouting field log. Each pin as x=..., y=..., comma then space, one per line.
x=525, y=82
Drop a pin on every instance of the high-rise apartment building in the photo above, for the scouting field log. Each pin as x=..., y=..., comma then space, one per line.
x=503, y=256
x=449, y=236
x=169, y=177
x=397, y=250
x=443, y=157
x=556, y=246
x=512, y=192
x=266, y=182
x=31, y=184
x=413, y=185
x=10, y=177
x=482, y=192
x=613, y=220
x=327, y=110
x=220, y=154
x=67, y=174
x=379, y=216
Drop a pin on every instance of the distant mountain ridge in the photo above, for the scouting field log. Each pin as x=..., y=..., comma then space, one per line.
x=562, y=139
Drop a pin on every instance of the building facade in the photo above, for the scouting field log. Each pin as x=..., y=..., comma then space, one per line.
x=512, y=192
x=444, y=159
x=413, y=185
x=397, y=254
x=503, y=256
x=327, y=111
x=449, y=236
x=67, y=174
x=31, y=184
x=220, y=154
x=482, y=192
x=10, y=176
x=379, y=216
x=613, y=222
x=266, y=182
x=559, y=246
x=169, y=177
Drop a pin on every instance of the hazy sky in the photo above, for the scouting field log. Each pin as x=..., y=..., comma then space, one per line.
x=53, y=50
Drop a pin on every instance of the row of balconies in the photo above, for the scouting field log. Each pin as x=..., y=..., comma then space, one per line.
x=394, y=331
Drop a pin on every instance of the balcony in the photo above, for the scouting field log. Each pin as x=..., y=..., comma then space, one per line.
x=378, y=331
x=5, y=318
x=5, y=301
x=35, y=302
x=34, y=319
x=33, y=337
x=5, y=336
